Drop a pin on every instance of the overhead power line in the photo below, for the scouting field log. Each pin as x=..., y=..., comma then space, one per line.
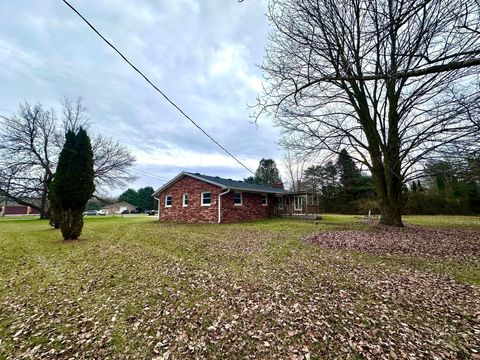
x=146, y=173
x=155, y=87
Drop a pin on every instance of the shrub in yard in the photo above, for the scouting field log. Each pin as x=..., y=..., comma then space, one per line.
x=366, y=205
x=73, y=184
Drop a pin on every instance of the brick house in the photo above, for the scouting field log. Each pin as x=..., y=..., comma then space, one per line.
x=192, y=197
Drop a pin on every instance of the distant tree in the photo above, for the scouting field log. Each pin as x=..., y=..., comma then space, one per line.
x=473, y=196
x=348, y=171
x=267, y=173
x=146, y=198
x=142, y=198
x=30, y=144
x=93, y=205
x=414, y=187
x=314, y=178
x=250, y=180
x=341, y=184
x=349, y=176
x=295, y=166
x=73, y=184
x=419, y=186
x=449, y=189
x=130, y=196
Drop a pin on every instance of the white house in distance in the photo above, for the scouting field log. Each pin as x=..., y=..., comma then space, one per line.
x=117, y=208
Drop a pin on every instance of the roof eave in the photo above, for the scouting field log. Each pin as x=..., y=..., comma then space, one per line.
x=222, y=186
x=260, y=191
x=185, y=173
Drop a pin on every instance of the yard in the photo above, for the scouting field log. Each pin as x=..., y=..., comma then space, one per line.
x=136, y=288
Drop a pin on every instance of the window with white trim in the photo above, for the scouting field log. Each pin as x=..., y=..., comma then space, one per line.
x=185, y=200
x=298, y=203
x=238, y=198
x=168, y=201
x=280, y=203
x=206, y=198
x=264, y=200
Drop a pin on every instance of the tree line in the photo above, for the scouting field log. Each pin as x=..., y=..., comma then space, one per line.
x=446, y=188
x=442, y=186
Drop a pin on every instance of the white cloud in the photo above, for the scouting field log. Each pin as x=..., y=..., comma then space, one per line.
x=18, y=59
x=230, y=60
x=187, y=159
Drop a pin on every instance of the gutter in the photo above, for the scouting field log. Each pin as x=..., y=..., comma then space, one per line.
x=220, y=204
x=158, y=199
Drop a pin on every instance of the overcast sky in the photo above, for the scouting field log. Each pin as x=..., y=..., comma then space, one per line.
x=202, y=53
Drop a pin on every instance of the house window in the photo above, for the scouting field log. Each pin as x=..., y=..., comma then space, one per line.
x=185, y=200
x=264, y=200
x=206, y=198
x=168, y=201
x=237, y=198
x=280, y=203
x=298, y=203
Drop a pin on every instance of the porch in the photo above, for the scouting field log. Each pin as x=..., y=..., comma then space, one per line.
x=299, y=204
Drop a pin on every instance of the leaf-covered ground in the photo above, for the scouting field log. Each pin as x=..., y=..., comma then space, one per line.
x=412, y=240
x=135, y=288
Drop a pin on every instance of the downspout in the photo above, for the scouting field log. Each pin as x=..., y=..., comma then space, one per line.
x=158, y=199
x=220, y=204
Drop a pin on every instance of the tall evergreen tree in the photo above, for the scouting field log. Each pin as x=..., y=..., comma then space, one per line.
x=73, y=183
x=347, y=170
x=419, y=186
x=146, y=198
x=349, y=176
x=414, y=187
x=267, y=173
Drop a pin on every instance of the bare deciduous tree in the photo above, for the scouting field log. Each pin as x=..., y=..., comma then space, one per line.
x=392, y=81
x=30, y=143
x=295, y=167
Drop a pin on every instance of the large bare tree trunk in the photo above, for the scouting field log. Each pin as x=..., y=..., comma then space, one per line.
x=389, y=198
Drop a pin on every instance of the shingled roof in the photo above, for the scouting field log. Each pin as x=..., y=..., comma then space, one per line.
x=225, y=184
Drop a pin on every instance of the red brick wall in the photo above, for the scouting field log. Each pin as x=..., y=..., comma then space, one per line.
x=18, y=210
x=250, y=210
x=194, y=212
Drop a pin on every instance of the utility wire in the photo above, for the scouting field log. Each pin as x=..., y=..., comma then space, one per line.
x=155, y=87
x=145, y=173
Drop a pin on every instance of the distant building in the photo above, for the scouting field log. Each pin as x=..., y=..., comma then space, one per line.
x=8, y=207
x=118, y=208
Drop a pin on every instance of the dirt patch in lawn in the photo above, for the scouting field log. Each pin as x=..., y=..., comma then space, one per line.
x=410, y=240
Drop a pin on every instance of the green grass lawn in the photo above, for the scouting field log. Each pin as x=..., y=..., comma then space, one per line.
x=137, y=288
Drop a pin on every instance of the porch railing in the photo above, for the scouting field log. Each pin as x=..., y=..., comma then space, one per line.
x=291, y=209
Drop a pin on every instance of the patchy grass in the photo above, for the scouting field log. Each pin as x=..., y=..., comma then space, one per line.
x=19, y=217
x=462, y=222
x=136, y=288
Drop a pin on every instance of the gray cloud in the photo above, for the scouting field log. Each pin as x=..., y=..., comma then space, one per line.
x=202, y=53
